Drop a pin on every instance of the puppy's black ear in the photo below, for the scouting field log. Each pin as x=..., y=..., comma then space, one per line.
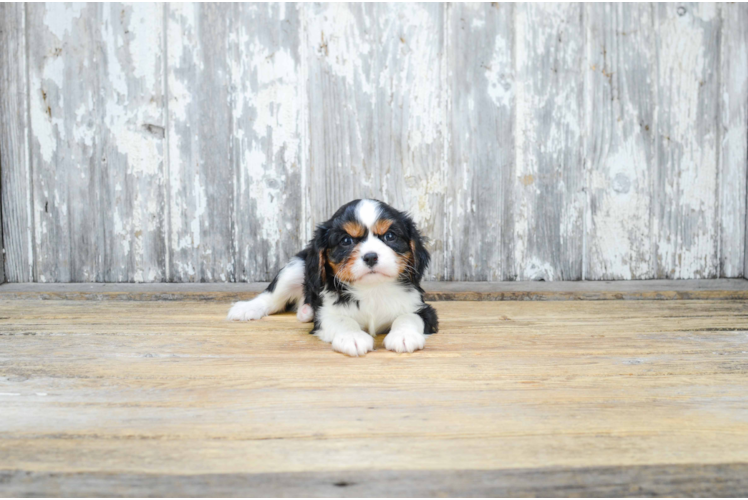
x=421, y=257
x=316, y=259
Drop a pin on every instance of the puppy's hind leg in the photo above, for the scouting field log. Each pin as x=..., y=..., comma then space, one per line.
x=287, y=288
x=305, y=313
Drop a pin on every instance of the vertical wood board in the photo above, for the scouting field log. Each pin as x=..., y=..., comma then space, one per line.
x=96, y=132
x=15, y=189
x=549, y=199
x=132, y=135
x=619, y=149
x=66, y=141
x=201, y=175
x=266, y=147
x=480, y=215
x=686, y=176
x=733, y=135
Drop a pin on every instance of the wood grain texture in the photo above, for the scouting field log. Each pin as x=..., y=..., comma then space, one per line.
x=15, y=173
x=733, y=134
x=66, y=149
x=96, y=125
x=721, y=480
x=549, y=183
x=480, y=216
x=377, y=111
x=686, y=176
x=267, y=95
x=132, y=133
x=181, y=143
x=619, y=149
x=171, y=389
x=201, y=174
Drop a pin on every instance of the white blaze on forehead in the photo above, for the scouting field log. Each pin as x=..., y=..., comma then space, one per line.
x=367, y=212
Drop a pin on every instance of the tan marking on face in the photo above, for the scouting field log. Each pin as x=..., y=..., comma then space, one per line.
x=413, y=261
x=404, y=263
x=344, y=270
x=382, y=226
x=354, y=229
x=322, y=273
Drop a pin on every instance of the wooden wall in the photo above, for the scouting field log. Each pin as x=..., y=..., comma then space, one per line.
x=186, y=142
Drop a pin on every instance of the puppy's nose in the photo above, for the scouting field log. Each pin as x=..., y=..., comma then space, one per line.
x=371, y=259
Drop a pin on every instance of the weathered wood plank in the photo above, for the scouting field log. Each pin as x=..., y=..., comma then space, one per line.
x=377, y=111
x=267, y=95
x=687, y=145
x=719, y=480
x=131, y=129
x=549, y=197
x=15, y=168
x=170, y=389
x=619, y=151
x=66, y=152
x=97, y=126
x=201, y=173
x=480, y=224
x=715, y=289
x=733, y=133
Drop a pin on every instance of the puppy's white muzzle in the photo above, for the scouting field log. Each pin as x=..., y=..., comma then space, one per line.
x=377, y=262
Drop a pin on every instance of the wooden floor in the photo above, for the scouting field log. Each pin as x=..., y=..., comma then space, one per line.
x=510, y=398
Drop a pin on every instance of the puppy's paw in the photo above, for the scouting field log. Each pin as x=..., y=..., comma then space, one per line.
x=305, y=314
x=246, y=311
x=404, y=340
x=353, y=343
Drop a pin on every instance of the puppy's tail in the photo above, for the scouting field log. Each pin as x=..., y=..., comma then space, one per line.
x=285, y=291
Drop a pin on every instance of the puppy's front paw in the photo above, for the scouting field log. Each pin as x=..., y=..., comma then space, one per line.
x=246, y=311
x=353, y=343
x=404, y=340
x=305, y=314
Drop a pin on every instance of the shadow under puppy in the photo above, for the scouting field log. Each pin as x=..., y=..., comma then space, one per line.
x=361, y=273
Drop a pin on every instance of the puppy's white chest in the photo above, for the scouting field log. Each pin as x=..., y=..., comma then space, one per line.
x=375, y=308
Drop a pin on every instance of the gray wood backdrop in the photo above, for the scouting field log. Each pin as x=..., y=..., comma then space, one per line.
x=181, y=142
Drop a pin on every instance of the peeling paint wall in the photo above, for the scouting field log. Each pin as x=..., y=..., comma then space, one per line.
x=203, y=142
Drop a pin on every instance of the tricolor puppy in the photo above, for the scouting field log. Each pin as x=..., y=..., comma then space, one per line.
x=358, y=277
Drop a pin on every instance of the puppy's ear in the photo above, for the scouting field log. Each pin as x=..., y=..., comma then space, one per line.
x=420, y=256
x=316, y=259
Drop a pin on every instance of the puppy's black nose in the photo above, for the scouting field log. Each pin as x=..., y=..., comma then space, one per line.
x=371, y=259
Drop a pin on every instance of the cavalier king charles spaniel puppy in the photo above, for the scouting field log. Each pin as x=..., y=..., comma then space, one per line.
x=358, y=277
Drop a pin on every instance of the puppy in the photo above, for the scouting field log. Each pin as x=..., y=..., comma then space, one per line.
x=359, y=276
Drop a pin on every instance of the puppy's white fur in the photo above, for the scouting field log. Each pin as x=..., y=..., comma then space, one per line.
x=368, y=212
x=374, y=309
x=406, y=334
x=288, y=287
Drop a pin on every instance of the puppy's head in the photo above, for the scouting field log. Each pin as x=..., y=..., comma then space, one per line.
x=368, y=242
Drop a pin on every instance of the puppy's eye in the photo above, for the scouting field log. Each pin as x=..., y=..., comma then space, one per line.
x=347, y=241
x=389, y=236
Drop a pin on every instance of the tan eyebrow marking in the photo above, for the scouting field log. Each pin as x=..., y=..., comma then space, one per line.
x=354, y=229
x=382, y=226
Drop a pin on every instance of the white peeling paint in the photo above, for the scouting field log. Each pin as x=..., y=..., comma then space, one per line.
x=60, y=18
x=500, y=87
